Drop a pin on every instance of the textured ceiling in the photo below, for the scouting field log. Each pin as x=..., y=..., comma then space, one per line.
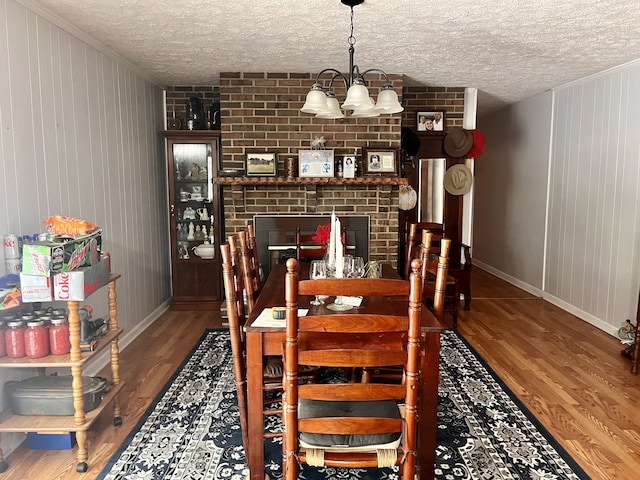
x=509, y=50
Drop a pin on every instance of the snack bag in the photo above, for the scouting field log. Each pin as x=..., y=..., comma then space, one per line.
x=61, y=225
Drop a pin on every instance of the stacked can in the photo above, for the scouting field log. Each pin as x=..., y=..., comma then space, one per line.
x=13, y=263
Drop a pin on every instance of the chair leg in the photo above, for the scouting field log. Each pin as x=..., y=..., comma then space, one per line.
x=467, y=301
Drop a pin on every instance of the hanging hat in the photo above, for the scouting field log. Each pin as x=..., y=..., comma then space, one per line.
x=458, y=142
x=478, y=144
x=409, y=141
x=458, y=179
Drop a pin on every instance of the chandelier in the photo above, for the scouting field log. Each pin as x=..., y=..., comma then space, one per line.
x=358, y=100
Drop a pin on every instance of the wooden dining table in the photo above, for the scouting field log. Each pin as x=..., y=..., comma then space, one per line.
x=262, y=341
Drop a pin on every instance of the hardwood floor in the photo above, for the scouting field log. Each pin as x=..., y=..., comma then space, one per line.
x=569, y=374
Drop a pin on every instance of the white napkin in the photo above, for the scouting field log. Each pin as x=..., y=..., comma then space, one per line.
x=353, y=301
x=265, y=319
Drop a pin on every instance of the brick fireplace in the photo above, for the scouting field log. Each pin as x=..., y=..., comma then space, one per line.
x=260, y=113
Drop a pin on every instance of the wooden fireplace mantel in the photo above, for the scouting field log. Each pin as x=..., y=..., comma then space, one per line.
x=258, y=181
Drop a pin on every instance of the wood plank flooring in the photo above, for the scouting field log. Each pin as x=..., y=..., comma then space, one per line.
x=569, y=374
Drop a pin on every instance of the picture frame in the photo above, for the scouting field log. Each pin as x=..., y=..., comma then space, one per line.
x=349, y=166
x=315, y=163
x=261, y=164
x=380, y=162
x=430, y=121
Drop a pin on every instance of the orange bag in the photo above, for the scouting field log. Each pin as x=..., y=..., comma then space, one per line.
x=61, y=225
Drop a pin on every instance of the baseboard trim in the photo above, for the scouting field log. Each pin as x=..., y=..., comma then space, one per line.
x=508, y=278
x=572, y=309
x=129, y=335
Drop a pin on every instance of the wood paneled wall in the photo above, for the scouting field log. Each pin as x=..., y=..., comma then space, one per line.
x=557, y=204
x=593, y=260
x=80, y=136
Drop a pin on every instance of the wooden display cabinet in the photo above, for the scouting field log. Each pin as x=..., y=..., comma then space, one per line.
x=194, y=218
x=75, y=360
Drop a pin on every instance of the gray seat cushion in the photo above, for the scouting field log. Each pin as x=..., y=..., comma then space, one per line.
x=316, y=408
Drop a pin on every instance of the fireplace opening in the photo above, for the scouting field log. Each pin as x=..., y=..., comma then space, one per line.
x=276, y=235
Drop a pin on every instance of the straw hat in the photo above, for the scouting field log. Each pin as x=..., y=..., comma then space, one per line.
x=458, y=179
x=458, y=142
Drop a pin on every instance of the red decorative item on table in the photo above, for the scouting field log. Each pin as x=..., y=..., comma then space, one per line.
x=323, y=235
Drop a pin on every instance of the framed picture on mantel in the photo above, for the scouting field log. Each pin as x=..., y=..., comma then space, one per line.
x=380, y=162
x=315, y=163
x=261, y=164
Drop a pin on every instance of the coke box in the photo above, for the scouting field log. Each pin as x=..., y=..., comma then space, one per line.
x=61, y=255
x=35, y=288
x=78, y=284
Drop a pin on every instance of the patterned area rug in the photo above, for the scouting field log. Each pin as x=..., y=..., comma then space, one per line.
x=192, y=431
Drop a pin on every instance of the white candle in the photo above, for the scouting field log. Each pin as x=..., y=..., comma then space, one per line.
x=332, y=239
x=339, y=253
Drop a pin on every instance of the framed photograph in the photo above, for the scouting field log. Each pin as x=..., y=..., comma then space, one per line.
x=430, y=121
x=349, y=167
x=380, y=162
x=261, y=164
x=315, y=163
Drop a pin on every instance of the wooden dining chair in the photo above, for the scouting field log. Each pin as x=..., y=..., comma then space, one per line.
x=351, y=424
x=233, y=287
x=460, y=264
x=306, y=248
x=414, y=249
x=434, y=283
x=251, y=279
x=435, y=269
x=251, y=240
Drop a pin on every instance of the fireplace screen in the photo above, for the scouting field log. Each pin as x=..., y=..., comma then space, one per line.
x=276, y=235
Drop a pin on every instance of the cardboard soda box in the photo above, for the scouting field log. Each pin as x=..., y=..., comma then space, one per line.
x=35, y=288
x=79, y=284
x=45, y=258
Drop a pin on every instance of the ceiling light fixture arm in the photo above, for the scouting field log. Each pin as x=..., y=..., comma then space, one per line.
x=358, y=99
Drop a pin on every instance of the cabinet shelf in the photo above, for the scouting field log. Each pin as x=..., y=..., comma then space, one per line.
x=60, y=361
x=55, y=424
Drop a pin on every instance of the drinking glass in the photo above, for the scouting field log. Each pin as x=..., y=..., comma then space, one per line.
x=346, y=265
x=356, y=267
x=318, y=270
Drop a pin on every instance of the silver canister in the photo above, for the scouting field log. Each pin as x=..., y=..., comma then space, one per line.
x=13, y=266
x=11, y=246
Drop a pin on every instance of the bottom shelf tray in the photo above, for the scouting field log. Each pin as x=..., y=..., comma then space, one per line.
x=52, y=423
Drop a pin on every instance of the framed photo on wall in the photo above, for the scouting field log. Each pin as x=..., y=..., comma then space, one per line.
x=261, y=164
x=430, y=121
x=315, y=163
x=380, y=162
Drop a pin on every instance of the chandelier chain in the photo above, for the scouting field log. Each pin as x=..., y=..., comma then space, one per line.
x=352, y=39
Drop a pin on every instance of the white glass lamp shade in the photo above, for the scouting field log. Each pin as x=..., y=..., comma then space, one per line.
x=334, y=108
x=357, y=96
x=388, y=101
x=365, y=111
x=316, y=101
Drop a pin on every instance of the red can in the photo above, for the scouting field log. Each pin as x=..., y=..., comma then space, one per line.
x=14, y=337
x=36, y=339
x=59, y=336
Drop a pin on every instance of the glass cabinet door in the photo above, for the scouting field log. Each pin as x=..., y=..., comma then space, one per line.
x=193, y=197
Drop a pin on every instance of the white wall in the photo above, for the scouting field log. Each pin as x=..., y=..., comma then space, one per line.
x=510, y=192
x=79, y=136
x=591, y=265
x=593, y=243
